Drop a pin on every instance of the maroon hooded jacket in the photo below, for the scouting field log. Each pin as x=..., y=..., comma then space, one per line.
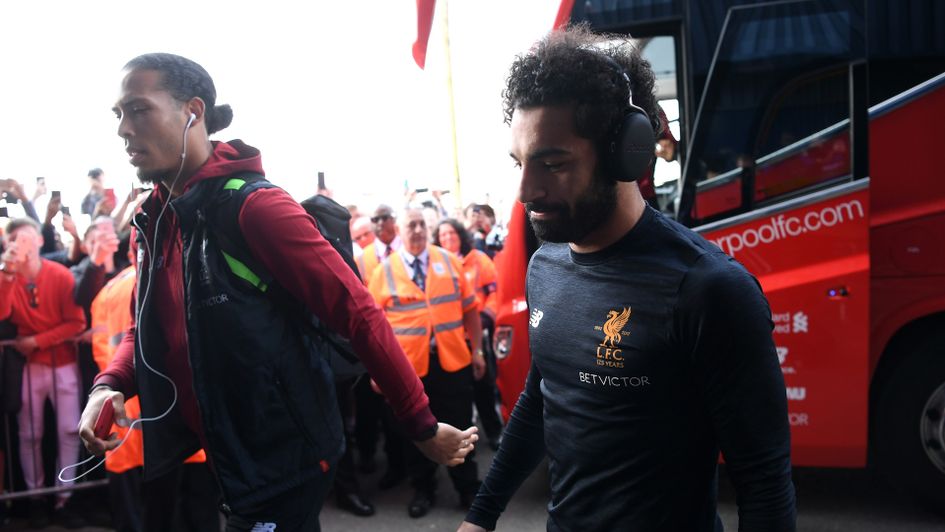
x=285, y=240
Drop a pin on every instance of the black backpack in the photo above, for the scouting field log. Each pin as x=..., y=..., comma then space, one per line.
x=332, y=222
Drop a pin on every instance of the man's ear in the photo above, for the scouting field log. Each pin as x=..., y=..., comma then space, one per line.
x=198, y=108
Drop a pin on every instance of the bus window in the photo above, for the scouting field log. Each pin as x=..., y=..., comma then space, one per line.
x=661, y=52
x=772, y=116
x=816, y=106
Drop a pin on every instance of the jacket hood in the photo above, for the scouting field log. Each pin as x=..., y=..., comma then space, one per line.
x=228, y=158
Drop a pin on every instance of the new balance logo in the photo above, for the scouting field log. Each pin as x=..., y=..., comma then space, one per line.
x=535, y=318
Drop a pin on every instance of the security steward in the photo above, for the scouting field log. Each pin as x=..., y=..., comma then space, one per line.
x=433, y=311
x=387, y=241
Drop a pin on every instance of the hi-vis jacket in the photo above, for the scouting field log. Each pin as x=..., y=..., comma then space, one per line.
x=111, y=317
x=368, y=262
x=417, y=317
x=481, y=274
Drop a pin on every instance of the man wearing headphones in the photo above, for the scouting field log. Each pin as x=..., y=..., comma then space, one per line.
x=651, y=349
x=219, y=359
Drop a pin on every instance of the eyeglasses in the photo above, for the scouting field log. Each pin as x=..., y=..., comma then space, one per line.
x=381, y=218
x=34, y=298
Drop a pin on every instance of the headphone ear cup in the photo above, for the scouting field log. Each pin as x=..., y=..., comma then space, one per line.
x=633, y=147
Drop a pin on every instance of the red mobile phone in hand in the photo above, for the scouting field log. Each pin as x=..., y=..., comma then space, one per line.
x=103, y=425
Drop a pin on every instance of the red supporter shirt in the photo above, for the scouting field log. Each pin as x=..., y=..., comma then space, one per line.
x=54, y=320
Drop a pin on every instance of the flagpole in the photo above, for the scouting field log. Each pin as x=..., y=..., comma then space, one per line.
x=457, y=191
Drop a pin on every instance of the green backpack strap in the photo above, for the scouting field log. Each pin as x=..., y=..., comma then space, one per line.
x=225, y=227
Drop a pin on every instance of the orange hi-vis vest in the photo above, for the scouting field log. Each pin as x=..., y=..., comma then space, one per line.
x=368, y=262
x=111, y=318
x=419, y=316
x=481, y=274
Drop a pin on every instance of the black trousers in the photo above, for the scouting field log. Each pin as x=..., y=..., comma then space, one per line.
x=484, y=389
x=345, y=479
x=294, y=511
x=451, y=398
x=370, y=409
x=185, y=499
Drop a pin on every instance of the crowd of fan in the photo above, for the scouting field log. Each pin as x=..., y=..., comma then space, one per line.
x=65, y=303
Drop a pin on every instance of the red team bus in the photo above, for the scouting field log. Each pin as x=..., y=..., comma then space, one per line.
x=808, y=150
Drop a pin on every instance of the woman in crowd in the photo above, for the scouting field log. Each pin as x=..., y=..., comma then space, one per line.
x=481, y=274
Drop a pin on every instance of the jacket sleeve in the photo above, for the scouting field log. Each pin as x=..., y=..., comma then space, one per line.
x=49, y=239
x=285, y=240
x=89, y=279
x=724, y=323
x=522, y=449
x=120, y=373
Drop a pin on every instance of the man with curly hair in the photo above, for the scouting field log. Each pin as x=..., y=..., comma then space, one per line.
x=651, y=349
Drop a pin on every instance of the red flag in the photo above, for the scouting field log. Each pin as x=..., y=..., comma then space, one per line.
x=425, y=10
x=564, y=13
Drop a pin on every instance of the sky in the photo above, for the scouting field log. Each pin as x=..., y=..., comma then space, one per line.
x=325, y=86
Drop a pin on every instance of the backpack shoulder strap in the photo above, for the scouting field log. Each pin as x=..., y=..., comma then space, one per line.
x=223, y=218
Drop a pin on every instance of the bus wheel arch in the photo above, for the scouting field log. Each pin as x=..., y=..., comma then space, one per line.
x=907, y=412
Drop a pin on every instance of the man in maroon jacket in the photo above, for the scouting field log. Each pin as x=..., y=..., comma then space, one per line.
x=166, y=111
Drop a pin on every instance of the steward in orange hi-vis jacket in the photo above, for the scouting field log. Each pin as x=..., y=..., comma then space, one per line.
x=432, y=309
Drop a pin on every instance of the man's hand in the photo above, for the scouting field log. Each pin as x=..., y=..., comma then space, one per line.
x=13, y=257
x=95, y=445
x=40, y=190
x=466, y=526
x=478, y=365
x=15, y=189
x=450, y=445
x=25, y=344
x=85, y=337
x=52, y=208
x=68, y=225
x=104, y=207
x=104, y=244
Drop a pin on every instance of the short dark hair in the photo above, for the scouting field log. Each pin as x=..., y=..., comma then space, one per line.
x=17, y=223
x=96, y=173
x=185, y=79
x=465, y=241
x=577, y=67
x=487, y=209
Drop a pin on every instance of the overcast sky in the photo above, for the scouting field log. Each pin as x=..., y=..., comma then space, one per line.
x=328, y=86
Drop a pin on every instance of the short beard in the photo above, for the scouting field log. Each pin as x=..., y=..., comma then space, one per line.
x=155, y=177
x=591, y=209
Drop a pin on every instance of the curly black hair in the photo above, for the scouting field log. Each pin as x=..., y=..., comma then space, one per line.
x=185, y=79
x=578, y=67
x=465, y=241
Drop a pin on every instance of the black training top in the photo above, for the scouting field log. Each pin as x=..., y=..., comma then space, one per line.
x=649, y=357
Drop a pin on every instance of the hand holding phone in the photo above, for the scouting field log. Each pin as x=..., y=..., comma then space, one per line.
x=106, y=417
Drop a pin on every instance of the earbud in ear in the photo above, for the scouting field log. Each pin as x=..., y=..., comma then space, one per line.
x=193, y=117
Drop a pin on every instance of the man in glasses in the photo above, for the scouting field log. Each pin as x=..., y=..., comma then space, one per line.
x=387, y=241
x=37, y=296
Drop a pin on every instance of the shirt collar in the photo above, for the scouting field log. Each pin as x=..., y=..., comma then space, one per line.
x=408, y=258
x=381, y=248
